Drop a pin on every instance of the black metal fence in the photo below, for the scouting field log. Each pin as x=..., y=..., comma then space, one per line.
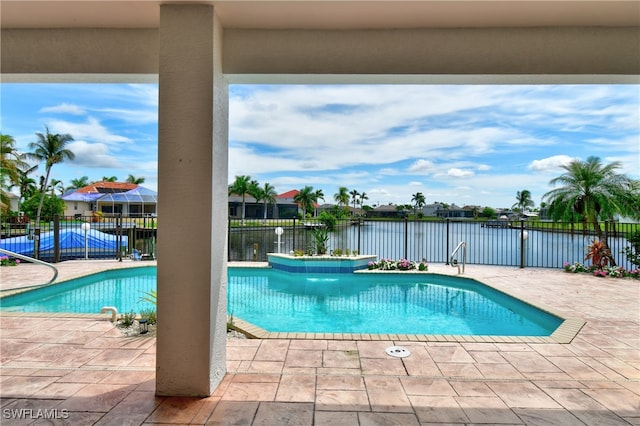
x=507, y=243
x=78, y=237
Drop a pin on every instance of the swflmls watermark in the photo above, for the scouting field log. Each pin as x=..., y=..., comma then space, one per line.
x=34, y=414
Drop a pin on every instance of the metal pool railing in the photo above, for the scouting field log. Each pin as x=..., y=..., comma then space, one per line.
x=32, y=260
x=521, y=243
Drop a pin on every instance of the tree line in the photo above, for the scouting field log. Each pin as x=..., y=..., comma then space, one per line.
x=36, y=198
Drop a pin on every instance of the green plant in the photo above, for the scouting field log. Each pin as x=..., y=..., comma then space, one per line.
x=127, y=320
x=321, y=236
x=6, y=261
x=599, y=254
x=633, y=251
x=336, y=252
x=230, y=325
x=328, y=220
x=149, y=315
x=150, y=296
x=298, y=253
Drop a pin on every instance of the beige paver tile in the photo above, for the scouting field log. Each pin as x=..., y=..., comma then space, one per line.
x=303, y=358
x=265, y=367
x=176, y=410
x=621, y=401
x=379, y=419
x=97, y=397
x=438, y=409
x=499, y=371
x=298, y=388
x=455, y=370
x=60, y=390
x=342, y=400
x=233, y=413
x=383, y=366
x=334, y=418
x=340, y=382
x=340, y=359
x=575, y=368
x=486, y=409
x=24, y=386
x=249, y=391
x=522, y=394
x=427, y=386
x=471, y=388
x=584, y=407
x=387, y=394
x=455, y=353
x=281, y=413
x=373, y=349
x=541, y=417
x=272, y=350
x=132, y=410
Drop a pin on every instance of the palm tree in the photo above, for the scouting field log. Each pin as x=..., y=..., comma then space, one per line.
x=56, y=184
x=109, y=179
x=242, y=186
x=11, y=162
x=78, y=183
x=363, y=196
x=306, y=197
x=354, y=197
x=418, y=200
x=26, y=185
x=342, y=196
x=136, y=180
x=52, y=149
x=523, y=200
x=595, y=192
x=267, y=194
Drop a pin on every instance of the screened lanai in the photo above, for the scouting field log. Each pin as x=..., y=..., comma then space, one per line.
x=136, y=202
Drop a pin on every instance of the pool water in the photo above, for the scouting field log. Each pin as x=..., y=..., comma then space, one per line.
x=324, y=303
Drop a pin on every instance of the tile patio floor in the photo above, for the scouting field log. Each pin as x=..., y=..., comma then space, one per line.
x=84, y=371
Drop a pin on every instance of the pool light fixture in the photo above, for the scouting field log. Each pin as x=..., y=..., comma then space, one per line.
x=144, y=326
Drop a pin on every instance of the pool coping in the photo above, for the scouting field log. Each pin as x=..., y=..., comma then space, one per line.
x=564, y=334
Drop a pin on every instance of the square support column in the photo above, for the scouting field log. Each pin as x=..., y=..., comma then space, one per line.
x=192, y=171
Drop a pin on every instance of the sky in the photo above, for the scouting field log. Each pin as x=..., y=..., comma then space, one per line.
x=457, y=144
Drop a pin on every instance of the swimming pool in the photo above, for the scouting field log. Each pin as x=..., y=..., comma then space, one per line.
x=327, y=303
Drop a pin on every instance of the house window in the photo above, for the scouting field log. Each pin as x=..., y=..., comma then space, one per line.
x=75, y=206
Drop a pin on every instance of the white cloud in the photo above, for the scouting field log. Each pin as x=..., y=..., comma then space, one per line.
x=550, y=164
x=91, y=130
x=459, y=173
x=93, y=155
x=421, y=166
x=65, y=108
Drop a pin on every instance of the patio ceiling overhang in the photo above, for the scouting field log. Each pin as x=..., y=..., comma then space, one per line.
x=369, y=41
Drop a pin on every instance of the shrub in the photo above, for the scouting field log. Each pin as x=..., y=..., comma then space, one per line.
x=127, y=320
x=149, y=315
x=397, y=265
x=633, y=251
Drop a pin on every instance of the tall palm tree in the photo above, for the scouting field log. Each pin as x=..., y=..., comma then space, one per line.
x=595, y=192
x=267, y=194
x=109, y=179
x=243, y=186
x=306, y=197
x=354, y=197
x=52, y=149
x=418, y=201
x=136, y=180
x=523, y=200
x=342, y=196
x=363, y=196
x=11, y=161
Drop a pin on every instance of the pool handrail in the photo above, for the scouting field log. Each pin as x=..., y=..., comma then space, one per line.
x=31, y=259
x=453, y=261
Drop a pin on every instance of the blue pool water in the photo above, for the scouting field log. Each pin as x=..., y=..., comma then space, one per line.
x=325, y=303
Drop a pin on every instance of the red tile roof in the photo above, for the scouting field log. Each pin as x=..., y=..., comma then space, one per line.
x=289, y=194
x=105, y=187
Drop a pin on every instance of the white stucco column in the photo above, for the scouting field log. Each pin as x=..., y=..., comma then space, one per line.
x=192, y=171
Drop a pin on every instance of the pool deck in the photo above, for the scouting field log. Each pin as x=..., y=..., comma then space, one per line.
x=84, y=371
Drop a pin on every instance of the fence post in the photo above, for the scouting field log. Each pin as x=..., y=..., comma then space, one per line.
x=359, y=232
x=119, y=236
x=56, y=239
x=294, y=234
x=228, y=239
x=446, y=255
x=406, y=237
x=522, y=238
